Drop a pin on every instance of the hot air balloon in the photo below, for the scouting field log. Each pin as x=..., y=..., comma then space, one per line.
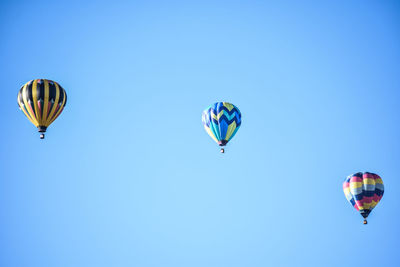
x=221, y=121
x=363, y=191
x=42, y=101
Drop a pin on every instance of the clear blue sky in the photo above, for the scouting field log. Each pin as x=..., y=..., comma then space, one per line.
x=127, y=176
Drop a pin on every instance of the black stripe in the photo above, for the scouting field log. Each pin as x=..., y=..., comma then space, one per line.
x=40, y=90
x=60, y=99
x=63, y=91
x=52, y=91
x=365, y=213
x=20, y=100
x=29, y=95
x=379, y=192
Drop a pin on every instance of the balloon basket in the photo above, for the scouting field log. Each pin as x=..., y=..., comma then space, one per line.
x=365, y=222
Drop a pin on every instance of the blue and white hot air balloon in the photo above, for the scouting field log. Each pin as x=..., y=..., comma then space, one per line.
x=221, y=121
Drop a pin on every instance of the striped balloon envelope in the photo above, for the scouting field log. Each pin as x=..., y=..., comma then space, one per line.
x=222, y=121
x=42, y=101
x=363, y=190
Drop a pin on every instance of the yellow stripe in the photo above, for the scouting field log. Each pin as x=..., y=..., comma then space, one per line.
x=214, y=117
x=61, y=107
x=355, y=184
x=35, y=104
x=218, y=116
x=48, y=120
x=210, y=133
x=229, y=106
x=369, y=205
x=34, y=121
x=368, y=181
x=231, y=129
x=45, y=101
x=26, y=114
x=378, y=181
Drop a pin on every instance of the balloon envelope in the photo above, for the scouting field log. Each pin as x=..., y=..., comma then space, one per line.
x=363, y=191
x=221, y=121
x=42, y=101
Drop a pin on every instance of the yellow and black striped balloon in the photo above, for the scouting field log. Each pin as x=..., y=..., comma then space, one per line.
x=42, y=101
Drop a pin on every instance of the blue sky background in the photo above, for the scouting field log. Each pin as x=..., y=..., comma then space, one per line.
x=127, y=176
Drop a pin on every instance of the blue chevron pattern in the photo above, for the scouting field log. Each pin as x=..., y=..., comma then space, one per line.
x=221, y=121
